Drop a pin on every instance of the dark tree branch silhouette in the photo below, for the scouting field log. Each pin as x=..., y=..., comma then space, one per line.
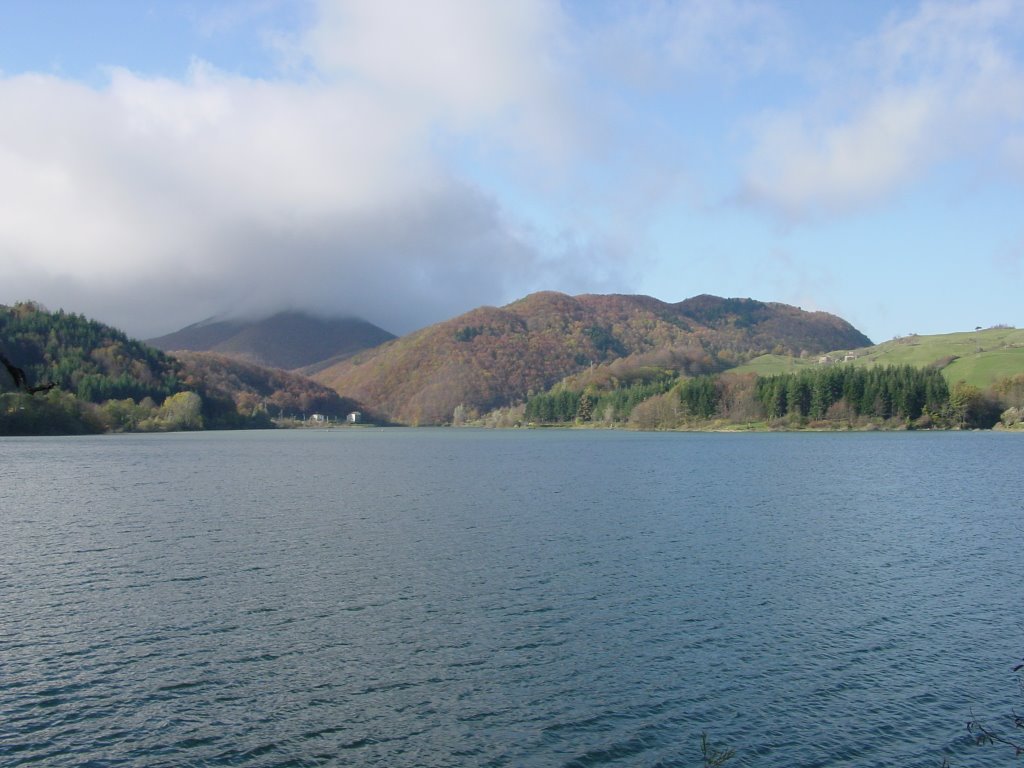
x=20, y=382
x=983, y=734
x=16, y=373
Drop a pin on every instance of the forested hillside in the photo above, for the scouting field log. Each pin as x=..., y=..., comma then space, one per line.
x=950, y=381
x=254, y=390
x=835, y=397
x=546, y=359
x=88, y=359
x=493, y=357
x=104, y=381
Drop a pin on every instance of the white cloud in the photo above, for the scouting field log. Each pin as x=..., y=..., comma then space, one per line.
x=152, y=202
x=666, y=44
x=943, y=83
x=152, y=169
x=467, y=65
x=801, y=166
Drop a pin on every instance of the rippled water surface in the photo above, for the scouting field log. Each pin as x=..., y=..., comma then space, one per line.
x=539, y=598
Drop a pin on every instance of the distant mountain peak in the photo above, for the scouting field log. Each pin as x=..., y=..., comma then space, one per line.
x=287, y=339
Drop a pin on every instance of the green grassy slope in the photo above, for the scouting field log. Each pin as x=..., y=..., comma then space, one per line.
x=977, y=357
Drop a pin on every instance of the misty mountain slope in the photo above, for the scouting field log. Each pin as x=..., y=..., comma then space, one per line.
x=288, y=340
x=492, y=356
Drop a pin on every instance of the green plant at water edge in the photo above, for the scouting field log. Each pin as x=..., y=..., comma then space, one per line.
x=713, y=758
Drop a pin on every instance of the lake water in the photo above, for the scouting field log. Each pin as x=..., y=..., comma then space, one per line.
x=508, y=598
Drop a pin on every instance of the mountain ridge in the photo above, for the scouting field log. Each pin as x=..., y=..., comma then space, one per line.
x=289, y=340
x=495, y=356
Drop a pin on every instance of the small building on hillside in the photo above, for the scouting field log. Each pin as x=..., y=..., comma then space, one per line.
x=318, y=418
x=354, y=418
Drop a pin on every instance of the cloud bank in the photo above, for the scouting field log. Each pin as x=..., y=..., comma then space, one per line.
x=154, y=202
x=413, y=160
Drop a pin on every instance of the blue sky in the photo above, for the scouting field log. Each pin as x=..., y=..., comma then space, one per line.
x=164, y=161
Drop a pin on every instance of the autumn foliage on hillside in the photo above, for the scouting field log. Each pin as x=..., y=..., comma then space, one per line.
x=253, y=389
x=747, y=326
x=492, y=357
